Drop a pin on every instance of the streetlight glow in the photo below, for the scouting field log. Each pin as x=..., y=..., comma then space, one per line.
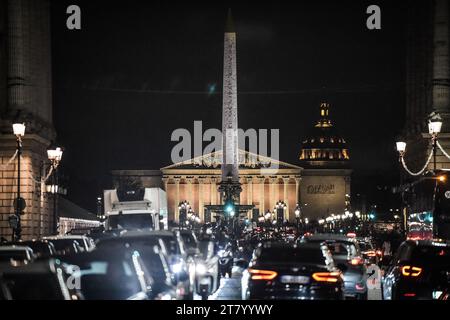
x=19, y=129
x=401, y=146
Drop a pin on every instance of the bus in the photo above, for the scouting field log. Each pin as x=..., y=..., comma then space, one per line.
x=427, y=202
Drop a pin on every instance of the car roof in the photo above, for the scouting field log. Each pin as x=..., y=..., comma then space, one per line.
x=329, y=236
x=428, y=243
x=65, y=237
x=280, y=245
x=15, y=248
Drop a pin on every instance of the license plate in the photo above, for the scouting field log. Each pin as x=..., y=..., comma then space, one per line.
x=436, y=294
x=295, y=279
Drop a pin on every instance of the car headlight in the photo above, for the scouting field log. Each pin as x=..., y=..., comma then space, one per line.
x=177, y=267
x=201, y=268
x=164, y=296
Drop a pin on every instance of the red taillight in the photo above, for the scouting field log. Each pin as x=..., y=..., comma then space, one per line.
x=356, y=261
x=370, y=253
x=326, y=276
x=411, y=294
x=351, y=235
x=411, y=271
x=379, y=252
x=262, y=274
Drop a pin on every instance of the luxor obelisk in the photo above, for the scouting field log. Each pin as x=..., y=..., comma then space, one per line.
x=230, y=188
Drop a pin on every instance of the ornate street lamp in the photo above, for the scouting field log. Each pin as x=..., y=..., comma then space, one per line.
x=183, y=208
x=19, y=132
x=280, y=206
x=298, y=213
x=434, y=128
x=55, y=154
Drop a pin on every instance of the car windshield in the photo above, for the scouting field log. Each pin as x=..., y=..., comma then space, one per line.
x=342, y=248
x=155, y=266
x=137, y=241
x=189, y=240
x=130, y=221
x=107, y=279
x=6, y=256
x=66, y=246
x=32, y=286
x=291, y=255
x=365, y=246
x=432, y=255
x=206, y=249
x=171, y=244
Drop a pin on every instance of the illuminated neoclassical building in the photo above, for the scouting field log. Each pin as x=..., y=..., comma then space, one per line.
x=319, y=183
x=324, y=155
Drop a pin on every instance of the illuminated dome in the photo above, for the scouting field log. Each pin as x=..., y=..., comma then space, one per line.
x=324, y=146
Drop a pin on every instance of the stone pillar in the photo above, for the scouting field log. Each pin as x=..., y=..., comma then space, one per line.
x=177, y=200
x=25, y=59
x=273, y=200
x=262, y=191
x=297, y=190
x=200, y=198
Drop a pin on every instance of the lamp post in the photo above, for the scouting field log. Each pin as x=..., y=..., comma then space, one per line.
x=54, y=154
x=434, y=128
x=183, y=208
x=280, y=206
x=297, y=213
x=19, y=132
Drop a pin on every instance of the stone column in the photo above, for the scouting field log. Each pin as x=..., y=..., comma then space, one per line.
x=297, y=190
x=177, y=199
x=262, y=191
x=273, y=200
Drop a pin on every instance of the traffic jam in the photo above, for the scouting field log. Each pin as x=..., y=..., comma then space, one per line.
x=134, y=257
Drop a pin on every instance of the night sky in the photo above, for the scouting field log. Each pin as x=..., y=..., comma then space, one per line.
x=138, y=70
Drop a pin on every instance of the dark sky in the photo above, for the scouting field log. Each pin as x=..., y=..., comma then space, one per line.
x=140, y=69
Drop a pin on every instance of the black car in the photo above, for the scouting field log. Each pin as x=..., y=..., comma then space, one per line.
x=42, y=280
x=120, y=274
x=420, y=270
x=303, y=271
x=171, y=245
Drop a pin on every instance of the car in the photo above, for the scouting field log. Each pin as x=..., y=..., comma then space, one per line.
x=148, y=242
x=71, y=243
x=368, y=251
x=419, y=271
x=134, y=238
x=16, y=255
x=113, y=275
x=45, y=279
x=41, y=248
x=172, y=247
x=348, y=258
x=302, y=271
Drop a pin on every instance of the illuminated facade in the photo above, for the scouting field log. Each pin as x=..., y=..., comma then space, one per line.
x=325, y=186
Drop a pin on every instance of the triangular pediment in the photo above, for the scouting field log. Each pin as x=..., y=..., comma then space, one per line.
x=247, y=160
